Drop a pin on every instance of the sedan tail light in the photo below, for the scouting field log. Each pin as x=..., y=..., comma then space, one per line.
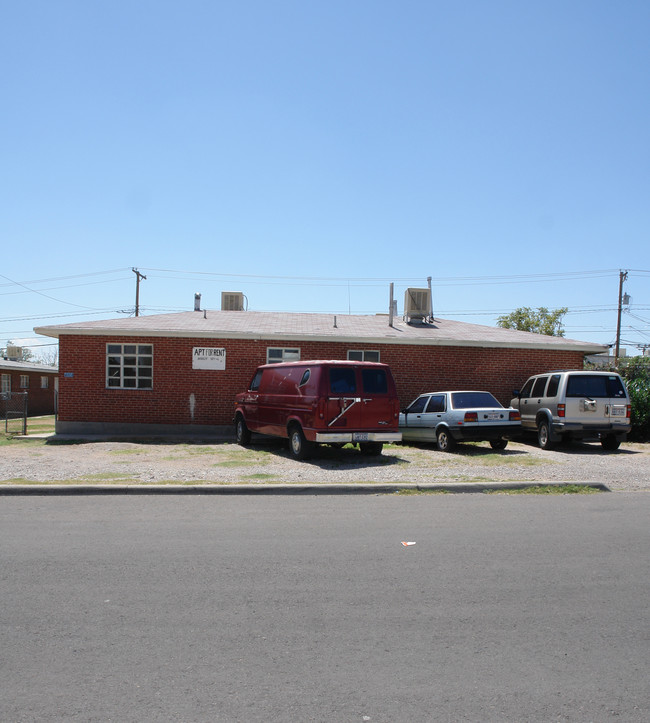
x=514, y=417
x=471, y=417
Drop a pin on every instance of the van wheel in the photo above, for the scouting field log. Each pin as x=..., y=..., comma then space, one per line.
x=610, y=443
x=544, y=435
x=372, y=449
x=242, y=432
x=498, y=443
x=299, y=447
x=445, y=441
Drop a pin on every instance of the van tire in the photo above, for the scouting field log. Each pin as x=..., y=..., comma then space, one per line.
x=299, y=447
x=444, y=441
x=372, y=449
x=610, y=442
x=544, y=435
x=242, y=432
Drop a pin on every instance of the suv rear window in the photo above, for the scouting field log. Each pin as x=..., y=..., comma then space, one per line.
x=596, y=387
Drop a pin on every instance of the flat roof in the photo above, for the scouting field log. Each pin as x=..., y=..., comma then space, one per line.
x=349, y=328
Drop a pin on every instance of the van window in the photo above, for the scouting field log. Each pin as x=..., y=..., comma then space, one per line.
x=305, y=378
x=538, y=389
x=553, y=386
x=586, y=385
x=343, y=380
x=255, y=384
x=374, y=381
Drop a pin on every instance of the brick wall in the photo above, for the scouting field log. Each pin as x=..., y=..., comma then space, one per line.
x=39, y=401
x=182, y=395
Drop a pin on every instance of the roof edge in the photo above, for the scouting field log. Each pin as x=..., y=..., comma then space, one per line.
x=561, y=345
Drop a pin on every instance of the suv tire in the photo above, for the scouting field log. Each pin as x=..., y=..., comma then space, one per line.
x=610, y=442
x=544, y=434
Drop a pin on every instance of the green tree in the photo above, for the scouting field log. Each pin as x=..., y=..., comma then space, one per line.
x=636, y=373
x=540, y=321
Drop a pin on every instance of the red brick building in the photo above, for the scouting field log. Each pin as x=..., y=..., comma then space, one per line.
x=38, y=381
x=174, y=372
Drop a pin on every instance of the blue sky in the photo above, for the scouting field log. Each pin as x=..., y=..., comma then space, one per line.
x=309, y=153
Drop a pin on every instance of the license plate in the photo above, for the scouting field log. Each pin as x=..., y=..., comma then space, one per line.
x=492, y=415
x=618, y=411
x=360, y=437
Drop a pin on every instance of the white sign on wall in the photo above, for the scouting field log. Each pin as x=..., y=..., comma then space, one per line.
x=208, y=358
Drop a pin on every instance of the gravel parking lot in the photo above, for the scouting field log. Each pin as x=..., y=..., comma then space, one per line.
x=268, y=462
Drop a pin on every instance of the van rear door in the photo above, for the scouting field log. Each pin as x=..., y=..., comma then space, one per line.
x=378, y=403
x=343, y=398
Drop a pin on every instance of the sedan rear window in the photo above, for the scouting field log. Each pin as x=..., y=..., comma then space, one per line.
x=470, y=400
x=595, y=386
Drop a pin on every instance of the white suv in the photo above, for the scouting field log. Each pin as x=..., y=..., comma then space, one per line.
x=567, y=405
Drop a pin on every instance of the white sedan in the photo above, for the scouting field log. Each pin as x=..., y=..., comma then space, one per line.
x=449, y=417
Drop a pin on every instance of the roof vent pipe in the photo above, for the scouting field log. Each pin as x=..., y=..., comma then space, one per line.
x=430, y=298
x=197, y=302
x=335, y=326
x=391, y=306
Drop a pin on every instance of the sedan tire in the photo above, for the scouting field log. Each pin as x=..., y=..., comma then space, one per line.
x=444, y=440
x=498, y=443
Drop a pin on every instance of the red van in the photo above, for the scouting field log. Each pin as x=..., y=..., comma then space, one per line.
x=323, y=402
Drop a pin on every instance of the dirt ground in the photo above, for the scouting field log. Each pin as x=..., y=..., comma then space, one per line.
x=268, y=462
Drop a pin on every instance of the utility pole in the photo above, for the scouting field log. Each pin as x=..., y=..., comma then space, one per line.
x=138, y=276
x=622, y=276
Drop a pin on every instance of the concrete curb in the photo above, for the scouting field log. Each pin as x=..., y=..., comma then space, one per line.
x=282, y=489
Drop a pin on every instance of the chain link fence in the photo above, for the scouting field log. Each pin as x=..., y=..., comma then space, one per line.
x=13, y=412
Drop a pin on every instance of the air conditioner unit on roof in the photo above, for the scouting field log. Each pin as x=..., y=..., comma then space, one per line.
x=232, y=301
x=417, y=304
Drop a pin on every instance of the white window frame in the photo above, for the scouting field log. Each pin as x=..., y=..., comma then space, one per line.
x=362, y=353
x=286, y=354
x=24, y=381
x=5, y=384
x=126, y=366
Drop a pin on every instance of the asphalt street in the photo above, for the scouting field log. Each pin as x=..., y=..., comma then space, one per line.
x=310, y=608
